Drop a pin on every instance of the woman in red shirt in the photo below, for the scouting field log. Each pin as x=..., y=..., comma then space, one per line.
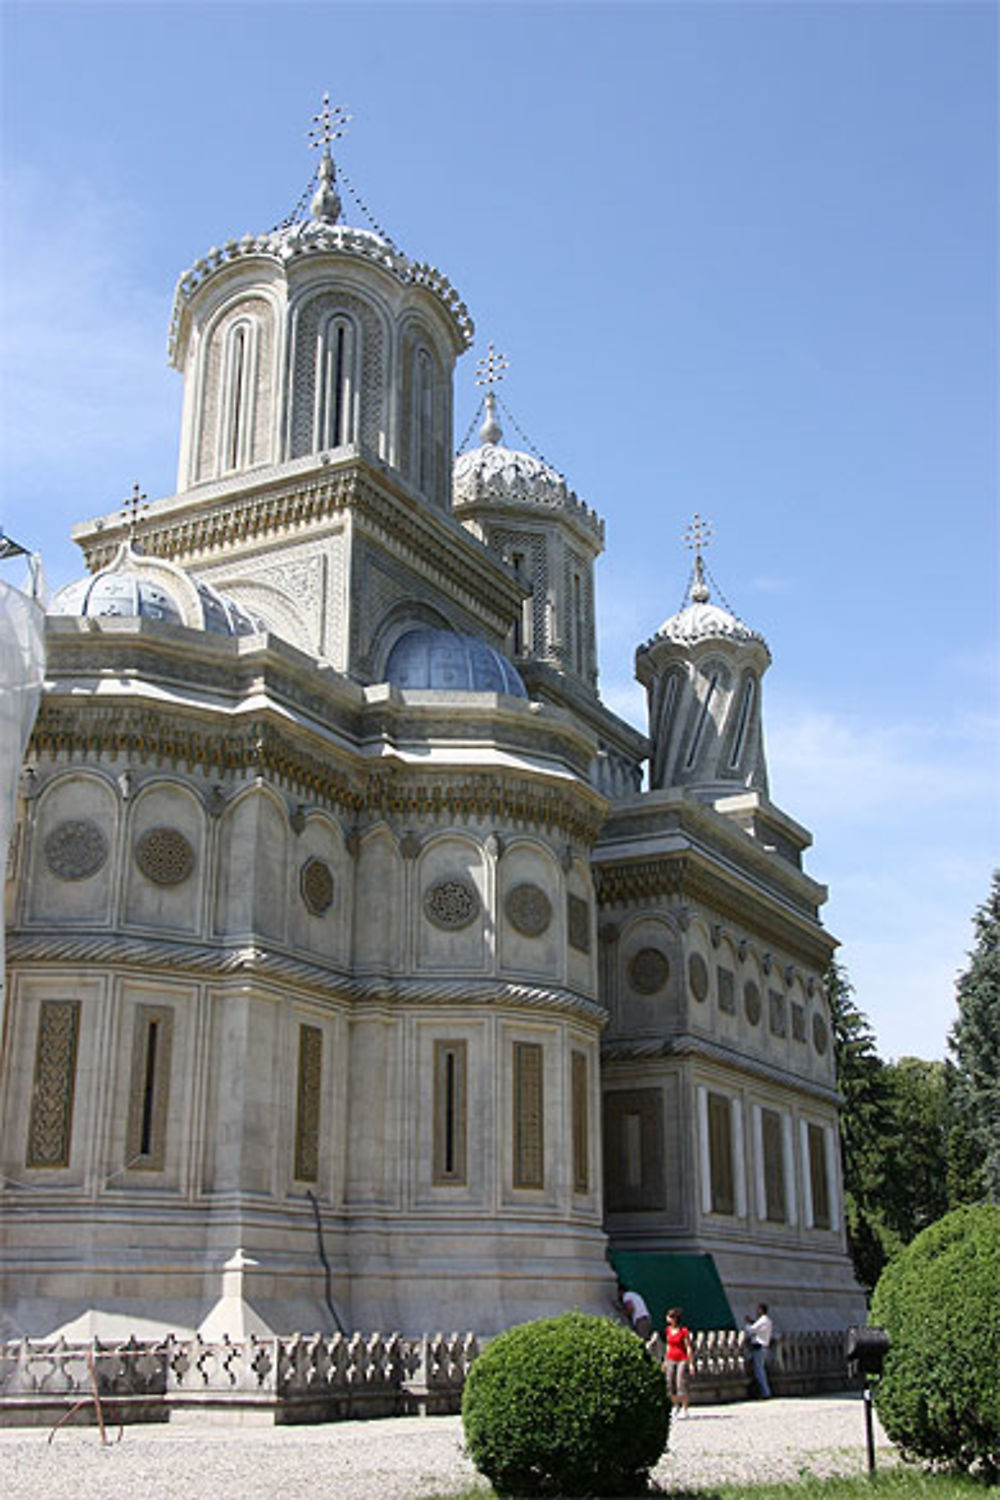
x=679, y=1361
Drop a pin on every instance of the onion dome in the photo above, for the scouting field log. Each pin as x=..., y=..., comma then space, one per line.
x=443, y=659
x=702, y=620
x=134, y=586
x=503, y=476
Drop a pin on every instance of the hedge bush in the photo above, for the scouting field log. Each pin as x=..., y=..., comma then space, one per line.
x=571, y=1405
x=939, y=1299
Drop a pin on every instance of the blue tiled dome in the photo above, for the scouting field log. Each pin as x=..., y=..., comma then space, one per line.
x=457, y=663
x=152, y=588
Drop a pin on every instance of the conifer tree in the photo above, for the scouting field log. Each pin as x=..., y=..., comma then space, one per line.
x=975, y=1044
x=865, y=1123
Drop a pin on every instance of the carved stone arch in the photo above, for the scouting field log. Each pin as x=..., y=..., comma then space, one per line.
x=71, y=865
x=424, y=414
x=219, y=404
x=281, y=614
x=252, y=886
x=311, y=312
x=397, y=622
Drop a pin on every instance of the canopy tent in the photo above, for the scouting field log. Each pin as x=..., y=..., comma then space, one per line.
x=665, y=1279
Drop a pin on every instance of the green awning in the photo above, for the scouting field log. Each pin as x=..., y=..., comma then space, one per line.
x=664, y=1280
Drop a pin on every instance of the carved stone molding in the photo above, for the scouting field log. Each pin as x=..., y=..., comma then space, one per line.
x=528, y=908
x=75, y=849
x=316, y=886
x=451, y=904
x=164, y=856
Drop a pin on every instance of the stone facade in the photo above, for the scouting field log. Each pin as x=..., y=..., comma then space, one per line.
x=334, y=1001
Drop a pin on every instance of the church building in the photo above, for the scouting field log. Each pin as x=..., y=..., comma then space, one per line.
x=362, y=965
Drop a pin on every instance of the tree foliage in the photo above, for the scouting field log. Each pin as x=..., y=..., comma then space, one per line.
x=566, y=1406
x=939, y=1392
x=975, y=1046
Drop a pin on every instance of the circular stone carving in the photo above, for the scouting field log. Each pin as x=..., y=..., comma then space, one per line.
x=316, y=886
x=451, y=904
x=164, y=856
x=648, y=971
x=821, y=1036
x=751, y=1002
x=528, y=909
x=698, y=976
x=75, y=849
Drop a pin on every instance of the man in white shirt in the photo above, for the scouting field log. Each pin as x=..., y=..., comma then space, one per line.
x=636, y=1311
x=758, y=1333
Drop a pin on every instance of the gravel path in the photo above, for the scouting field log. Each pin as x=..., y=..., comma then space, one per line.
x=402, y=1458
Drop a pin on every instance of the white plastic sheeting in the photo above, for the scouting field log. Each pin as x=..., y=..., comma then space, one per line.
x=22, y=668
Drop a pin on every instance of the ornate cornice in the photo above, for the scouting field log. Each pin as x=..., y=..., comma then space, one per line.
x=209, y=525
x=691, y=873
x=274, y=965
x=685, y=1046
x=246, y=746
x=282, y=247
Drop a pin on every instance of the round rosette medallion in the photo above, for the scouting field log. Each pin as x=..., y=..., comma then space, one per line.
x=529, y=910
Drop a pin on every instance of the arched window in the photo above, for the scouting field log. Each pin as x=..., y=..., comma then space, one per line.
x=336, y=383
x=236, y=445
x=743, y=722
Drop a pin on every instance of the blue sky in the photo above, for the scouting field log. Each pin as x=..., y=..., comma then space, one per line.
x=743, y=260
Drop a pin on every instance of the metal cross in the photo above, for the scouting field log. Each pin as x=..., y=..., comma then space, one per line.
x=492, y=368
x=135, y=503
x=699, y=534
x=329, y=125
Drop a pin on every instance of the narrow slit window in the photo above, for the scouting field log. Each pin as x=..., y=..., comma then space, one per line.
x=335, y=384
x=578, y=623
x=580, y=1123
x=146, y=1136
x=702, y=721
x=449, y=1112
x=743, y=724
x=236, y=431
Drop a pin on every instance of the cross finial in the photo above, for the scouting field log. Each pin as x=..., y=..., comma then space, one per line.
x=697, y=537
x=492, y=368
x=135, y=503
x=329, y=125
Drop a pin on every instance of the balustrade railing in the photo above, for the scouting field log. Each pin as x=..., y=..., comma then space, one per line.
x=320, y=1378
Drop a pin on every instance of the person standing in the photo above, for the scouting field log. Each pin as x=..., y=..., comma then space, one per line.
x=636, y=1311
x=679, y=1361
x=759, y=1332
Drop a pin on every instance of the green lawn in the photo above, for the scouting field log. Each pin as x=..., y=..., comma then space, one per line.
x=897, y=1484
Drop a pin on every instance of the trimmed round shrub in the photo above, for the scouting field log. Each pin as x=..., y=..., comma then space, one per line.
x=939, y=1300
x=572, y=1405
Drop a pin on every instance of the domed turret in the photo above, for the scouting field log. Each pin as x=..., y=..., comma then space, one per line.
x=317, y=336
x=702, y=672
x=523, y=509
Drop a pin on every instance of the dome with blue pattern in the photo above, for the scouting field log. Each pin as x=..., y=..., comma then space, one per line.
x=445, y=660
